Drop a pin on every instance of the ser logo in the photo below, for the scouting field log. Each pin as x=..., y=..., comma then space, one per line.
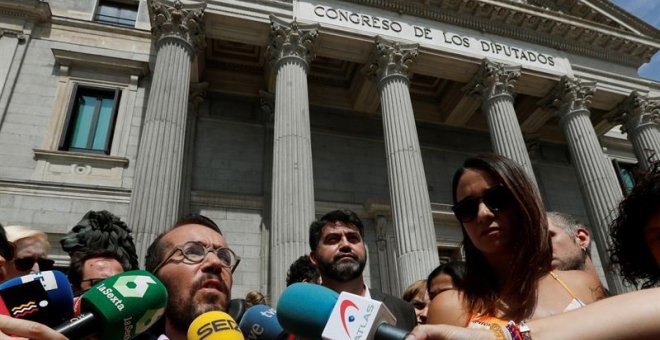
x=215, y=326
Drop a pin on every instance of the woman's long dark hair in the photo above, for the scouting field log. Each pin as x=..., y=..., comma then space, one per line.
x=482, y=289
x=629, y=249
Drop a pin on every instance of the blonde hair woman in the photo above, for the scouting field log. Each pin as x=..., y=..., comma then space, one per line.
x=31, y=251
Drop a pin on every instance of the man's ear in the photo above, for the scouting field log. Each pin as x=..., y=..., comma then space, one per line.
x=312, y=259
x=583, y=238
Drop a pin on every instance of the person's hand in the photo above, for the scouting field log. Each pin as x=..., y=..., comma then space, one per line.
x=446, y=332
x=11, y=328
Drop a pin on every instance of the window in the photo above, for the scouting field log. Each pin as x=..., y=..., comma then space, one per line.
x=116, y=13
x=90, y=121
x=627, y=174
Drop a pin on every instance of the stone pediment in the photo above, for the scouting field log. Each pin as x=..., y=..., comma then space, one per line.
x=599, y=12
x=594, y=28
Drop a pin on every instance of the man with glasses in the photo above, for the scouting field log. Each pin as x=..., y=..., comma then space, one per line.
x=91, y=267
x=195, y=264
x=31, y=251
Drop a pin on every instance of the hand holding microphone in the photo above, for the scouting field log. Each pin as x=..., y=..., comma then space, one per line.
x=333, y=316
x=119, y=307
x=44, y=297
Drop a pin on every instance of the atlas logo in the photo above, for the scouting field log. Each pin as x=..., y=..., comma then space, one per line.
x=342, y=313
x=362, y=317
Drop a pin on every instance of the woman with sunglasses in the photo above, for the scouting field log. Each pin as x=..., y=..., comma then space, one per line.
x=507, y=252
x=31, y=251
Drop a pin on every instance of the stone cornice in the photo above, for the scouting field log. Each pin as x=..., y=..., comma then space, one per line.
x=130, y=66
x=36, y=10
x=533, y=24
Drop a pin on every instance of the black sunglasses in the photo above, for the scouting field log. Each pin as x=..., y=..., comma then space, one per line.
x=495, y=198
x=26, y=263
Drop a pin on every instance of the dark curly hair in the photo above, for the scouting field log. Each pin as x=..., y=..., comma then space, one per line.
x=628, y=249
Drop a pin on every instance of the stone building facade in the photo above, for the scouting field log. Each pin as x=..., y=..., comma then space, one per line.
x=266, y=114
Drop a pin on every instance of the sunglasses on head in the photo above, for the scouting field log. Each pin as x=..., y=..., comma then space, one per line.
x=26, y=263
x=495, y=198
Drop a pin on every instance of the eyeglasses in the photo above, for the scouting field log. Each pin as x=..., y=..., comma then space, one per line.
x=7, y=251
x=92, y=283
x=195, y=252
x=495, y=198
x=26, y=263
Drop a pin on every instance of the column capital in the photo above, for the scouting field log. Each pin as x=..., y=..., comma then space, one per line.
x=178, y=20
x=493, y=79
x=635, y=111
x=570, y=95
x=290, y=40
x=391, y=58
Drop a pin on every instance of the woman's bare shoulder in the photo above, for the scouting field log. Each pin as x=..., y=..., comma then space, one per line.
x=448, y=308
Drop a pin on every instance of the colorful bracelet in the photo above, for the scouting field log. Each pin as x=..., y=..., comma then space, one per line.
x=499, y=332
x=518, y=332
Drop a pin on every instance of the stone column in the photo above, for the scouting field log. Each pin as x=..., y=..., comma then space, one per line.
x=155, y=201
x=411, y=207
x=291, y=50
x=494, y=83
x=596, y=176
x=640, y=120
x=196, y=108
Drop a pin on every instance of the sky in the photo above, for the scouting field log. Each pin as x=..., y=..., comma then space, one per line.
x=649, y=11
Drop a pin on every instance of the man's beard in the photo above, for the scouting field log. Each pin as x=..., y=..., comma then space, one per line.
x=341, y=269
x=573, y=263
x=181, y=313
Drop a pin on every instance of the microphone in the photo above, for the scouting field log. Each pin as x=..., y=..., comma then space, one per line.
x=260, y=322
x=119, y=307
x=214, y=325
x=298, y=315
x=44, y=297
x=334, y=317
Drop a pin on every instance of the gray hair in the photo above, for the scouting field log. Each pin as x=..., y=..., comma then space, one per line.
x=569, y=224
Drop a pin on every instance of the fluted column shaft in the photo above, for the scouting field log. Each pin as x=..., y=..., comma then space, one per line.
x=494, y=82
x=640, y=119
x=596, y=176
x=155, y=201
x=292, y=205
x=411, y=207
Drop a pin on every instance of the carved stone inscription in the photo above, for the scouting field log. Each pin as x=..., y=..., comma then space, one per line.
x=433, y=34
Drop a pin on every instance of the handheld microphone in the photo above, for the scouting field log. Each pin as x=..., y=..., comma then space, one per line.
x=260, y=322
x=44, y=297
x=334, y=317
x=302, y=318
x=119, y=307
x=214, y=325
